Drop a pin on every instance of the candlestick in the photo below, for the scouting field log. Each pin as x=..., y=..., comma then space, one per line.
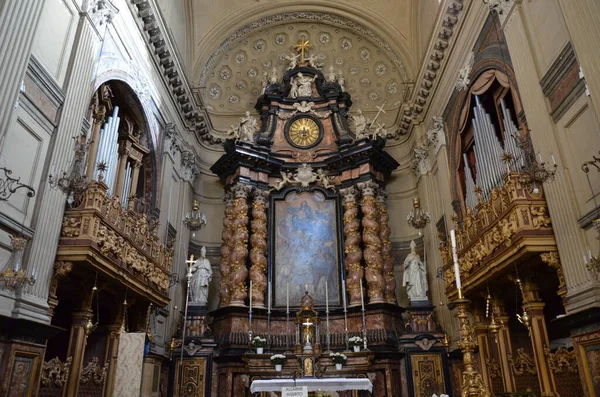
x=362, y=298
x=287, y=297
x=269, y=299
x=306, y=287
x=250, y=296
x=344, y=293
x=326, y=298
x=455, y=260
x=553, y=160
x=540, y=155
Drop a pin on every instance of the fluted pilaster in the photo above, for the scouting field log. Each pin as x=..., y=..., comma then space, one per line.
x=51, y=206
x=258, y=253
x=386, y=248
x=18, y=23
x=226, y=249
x=354, y=270
x=570, y=238
x=239, y=273
x=372, y=242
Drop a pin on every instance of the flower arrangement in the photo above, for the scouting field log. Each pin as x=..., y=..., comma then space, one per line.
x=355, y=341
x=277, y=359
x=258, y=342
x=338, y=358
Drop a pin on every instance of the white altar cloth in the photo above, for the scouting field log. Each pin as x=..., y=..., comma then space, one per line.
x=330, y=384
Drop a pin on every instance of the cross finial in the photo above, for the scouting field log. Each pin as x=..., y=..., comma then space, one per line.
x=302, y=46
x=191, y=261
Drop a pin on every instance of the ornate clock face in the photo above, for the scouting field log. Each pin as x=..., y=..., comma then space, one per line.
x=304, y=132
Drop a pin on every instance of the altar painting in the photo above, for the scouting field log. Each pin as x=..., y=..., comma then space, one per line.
x=306, y=248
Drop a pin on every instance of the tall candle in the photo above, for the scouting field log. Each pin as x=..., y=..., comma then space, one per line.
x=250, y=296
x=455, y=259
x=287, y=297
x=362, y=297
x=326, y=299
x=344, y=293
x=269, y=298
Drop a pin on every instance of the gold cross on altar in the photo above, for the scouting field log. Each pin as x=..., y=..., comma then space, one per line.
x=302, y=46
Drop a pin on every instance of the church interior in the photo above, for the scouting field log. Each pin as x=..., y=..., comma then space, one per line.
x=390, y=198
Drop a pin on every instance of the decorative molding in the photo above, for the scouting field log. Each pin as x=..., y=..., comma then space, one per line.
x=586, y=220
x=55, y=373
x=435, y=57
x=159, y=43
x=562, y=361
x=13, y=226
x=502, y=7
x=463, y=81
x=522, y=364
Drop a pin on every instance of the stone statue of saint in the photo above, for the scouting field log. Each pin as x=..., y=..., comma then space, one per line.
x=201, y=277
x=415, y=276
x=248, y=127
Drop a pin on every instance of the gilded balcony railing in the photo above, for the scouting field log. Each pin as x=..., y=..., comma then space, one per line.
x=118, y=241
x=512, y=225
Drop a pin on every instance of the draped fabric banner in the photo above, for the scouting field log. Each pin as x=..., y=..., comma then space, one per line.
x=130, y=361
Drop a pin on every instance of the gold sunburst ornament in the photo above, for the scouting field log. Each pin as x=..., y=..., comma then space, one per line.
x=304, y=132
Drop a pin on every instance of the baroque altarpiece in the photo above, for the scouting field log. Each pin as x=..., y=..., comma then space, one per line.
x=306, y=219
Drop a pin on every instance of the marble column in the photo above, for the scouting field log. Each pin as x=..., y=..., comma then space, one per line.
x=18, y=23
x=354, y=270
x=76, y=350
x=238, y=290
x=534, y=306
x=570, y=238
x=386, y=247
x=99, y=116
x=258, y=253
x=372, y=243
x=226, y=249
x=111, y=357
x=504, y=345
x=33, y=304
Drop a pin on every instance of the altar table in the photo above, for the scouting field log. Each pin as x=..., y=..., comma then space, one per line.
x=325, y=384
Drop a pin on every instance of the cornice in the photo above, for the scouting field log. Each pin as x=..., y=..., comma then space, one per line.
x=431, y=68
x=159, y=43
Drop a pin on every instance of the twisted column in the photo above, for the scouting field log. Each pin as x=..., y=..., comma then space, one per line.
x=258, y=253
x=226, y=249
x=372, y=242
x=237, y=260
x=386, y=248
x=354, y=270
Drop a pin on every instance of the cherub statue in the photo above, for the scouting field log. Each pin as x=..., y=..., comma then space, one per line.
x=379, y=131
x=292, y=60
x=313, y=61
x=304, y=106
x=323, y=177
x=248, y=127
x=293, y=89
x=264, y=81
x=286, y=179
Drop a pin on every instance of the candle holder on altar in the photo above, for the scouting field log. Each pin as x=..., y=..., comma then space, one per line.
x=307, y=327
x=472, y=382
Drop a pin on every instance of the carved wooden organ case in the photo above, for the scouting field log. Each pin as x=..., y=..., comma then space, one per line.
x=304, y=144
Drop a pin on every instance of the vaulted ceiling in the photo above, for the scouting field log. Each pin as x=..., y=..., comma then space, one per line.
x=227, y=45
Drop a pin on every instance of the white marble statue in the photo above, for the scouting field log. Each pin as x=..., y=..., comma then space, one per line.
x=292, y=60
x=248, y=127
x=341, y=80
x=273, y=77
x=201, y=277
x=360, y=124
x=304, y=84
x=331, y=77
x=293, y=89
x=264, y=81
x=415, y=276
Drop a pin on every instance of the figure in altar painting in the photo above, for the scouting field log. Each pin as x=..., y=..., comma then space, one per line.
x=415, y=276
x=306, y=251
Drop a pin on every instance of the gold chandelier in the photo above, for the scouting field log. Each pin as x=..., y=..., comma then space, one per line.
x=194, y=220
x=418, y=218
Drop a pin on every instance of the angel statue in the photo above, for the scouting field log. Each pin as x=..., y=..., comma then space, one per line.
x=304, y=84
x=331, y=76
x=379, y=131
x=323, y=177
x=341, y=80
x=313, y=61
x=247, y=128
x=292, y=60
x=361, y=123
x=273, y=77
x=286, y=179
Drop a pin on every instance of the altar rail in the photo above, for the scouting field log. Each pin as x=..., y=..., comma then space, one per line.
x=282, y=341
x=120, y=242
x=512, y=225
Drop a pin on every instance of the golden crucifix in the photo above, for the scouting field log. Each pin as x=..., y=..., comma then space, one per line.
x=191, y=261
x=302, y=46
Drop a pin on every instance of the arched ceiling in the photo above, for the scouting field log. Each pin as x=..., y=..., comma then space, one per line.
x=373, y=44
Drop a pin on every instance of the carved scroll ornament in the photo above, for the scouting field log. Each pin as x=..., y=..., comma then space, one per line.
x=55, y=373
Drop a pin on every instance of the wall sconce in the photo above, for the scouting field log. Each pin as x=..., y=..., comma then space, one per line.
x=194, y=220
x=10, y=185
x=13, y=276
x=418, y=218
x=74, y=182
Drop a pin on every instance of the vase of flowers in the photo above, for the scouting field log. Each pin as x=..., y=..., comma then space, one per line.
x=259, y=343
x=339, y=359
x=355, y=342
x=277, y=360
